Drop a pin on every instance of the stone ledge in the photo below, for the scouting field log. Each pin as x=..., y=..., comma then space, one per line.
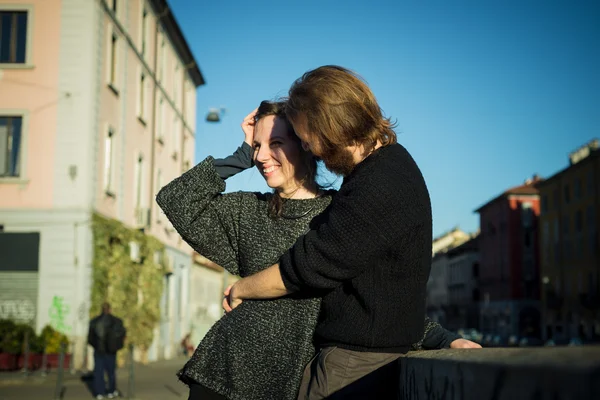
x=502, y=374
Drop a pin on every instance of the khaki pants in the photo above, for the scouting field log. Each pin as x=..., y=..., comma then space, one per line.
x=336, y=373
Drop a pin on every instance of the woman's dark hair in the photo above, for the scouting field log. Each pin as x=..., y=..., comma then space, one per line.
x=277, y=108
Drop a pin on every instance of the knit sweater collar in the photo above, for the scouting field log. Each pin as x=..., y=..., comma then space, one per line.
x=375, y=154
x=298, y=208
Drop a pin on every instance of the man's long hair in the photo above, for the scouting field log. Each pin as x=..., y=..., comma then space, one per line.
x=339, y=109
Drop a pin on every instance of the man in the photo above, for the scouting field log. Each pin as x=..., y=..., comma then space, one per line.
x=107, y=336
x=368, y=255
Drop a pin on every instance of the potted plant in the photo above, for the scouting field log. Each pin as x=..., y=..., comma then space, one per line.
x=24, y=333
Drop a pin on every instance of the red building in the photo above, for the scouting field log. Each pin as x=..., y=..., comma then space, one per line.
x=509, y=264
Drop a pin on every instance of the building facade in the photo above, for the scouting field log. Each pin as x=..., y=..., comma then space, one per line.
x=509, y=262
x=570, y=247
x=97, y=112
x=437, y=284
x=463, y=290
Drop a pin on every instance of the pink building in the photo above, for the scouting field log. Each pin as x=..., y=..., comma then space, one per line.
x=97, y=111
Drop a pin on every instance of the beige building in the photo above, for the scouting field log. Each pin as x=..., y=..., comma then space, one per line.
x=97, y=112
x=437, y=285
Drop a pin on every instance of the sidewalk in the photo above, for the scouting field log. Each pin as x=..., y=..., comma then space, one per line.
x=155, y=381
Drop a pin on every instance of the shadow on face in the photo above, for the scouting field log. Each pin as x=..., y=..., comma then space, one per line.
x=277, y=154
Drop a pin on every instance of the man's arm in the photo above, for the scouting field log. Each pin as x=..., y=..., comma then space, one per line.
x=266, y=284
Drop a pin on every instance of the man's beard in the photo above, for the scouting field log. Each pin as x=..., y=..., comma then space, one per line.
x=339, y=161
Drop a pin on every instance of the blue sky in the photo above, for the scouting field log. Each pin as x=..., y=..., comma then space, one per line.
x=485, y=93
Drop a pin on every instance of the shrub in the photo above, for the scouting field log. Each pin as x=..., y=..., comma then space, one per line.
x=13, y=338
x=52, y=339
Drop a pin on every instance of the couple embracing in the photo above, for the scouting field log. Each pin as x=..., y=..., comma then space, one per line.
x=333, y=282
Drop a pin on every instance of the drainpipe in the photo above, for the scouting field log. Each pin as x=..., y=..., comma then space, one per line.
x=151, y=204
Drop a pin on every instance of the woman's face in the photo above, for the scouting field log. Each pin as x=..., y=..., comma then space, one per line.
x=277, y=155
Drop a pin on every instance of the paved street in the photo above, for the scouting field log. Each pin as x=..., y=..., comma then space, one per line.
x=154, y=381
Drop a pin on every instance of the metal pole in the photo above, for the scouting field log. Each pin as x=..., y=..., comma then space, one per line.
x=85, y=358
x=44, y=361
x=71, y=363
x=26, y=353
x=58, y=390
x=131, y=382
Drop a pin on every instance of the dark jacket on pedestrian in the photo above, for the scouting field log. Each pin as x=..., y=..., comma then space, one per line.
x=106, y=334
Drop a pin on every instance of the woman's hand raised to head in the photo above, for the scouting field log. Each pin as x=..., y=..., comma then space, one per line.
x=248, y=127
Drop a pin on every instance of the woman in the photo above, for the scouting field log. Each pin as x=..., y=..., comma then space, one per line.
x=259, y=350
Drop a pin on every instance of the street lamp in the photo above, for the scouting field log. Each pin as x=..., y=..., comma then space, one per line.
x=215, y=114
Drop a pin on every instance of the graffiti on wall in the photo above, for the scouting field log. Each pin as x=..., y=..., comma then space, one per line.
x=18, y=310
x=58, y=313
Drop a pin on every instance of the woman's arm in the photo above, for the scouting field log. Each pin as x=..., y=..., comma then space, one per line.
x=207, y=219
x=436, y=337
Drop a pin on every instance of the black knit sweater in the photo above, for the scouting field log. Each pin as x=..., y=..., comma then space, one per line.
x=371, y=251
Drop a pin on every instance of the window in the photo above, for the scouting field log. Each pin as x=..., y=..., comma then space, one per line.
x=167, y=294
x=526, y=215
x=590, y=183
x=567, y=194
x=592, y=284
x=13, y=36
x=527, y=239
x=546, y=233
x=176, y=88
x=566, y=225
x=544, y=204
x=144, y=32
x=112, y=62
x=590, y=218
x=175, y=138
x=139, y=175
x=114, y=6
x=163, y=59
x=160, y=117
x=556, y=199
x=141, y=102
x=579, y=247
x=10, y=145
x=577, y=189
x=578, y=221
x=568, y=250
x=546, y=240
x=158, y=180
x=592, y=229
x=109, y=161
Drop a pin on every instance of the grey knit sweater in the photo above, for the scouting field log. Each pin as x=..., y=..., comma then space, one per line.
x=259, y=350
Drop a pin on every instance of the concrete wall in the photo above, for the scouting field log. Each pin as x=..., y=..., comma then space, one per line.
x=560, y=373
